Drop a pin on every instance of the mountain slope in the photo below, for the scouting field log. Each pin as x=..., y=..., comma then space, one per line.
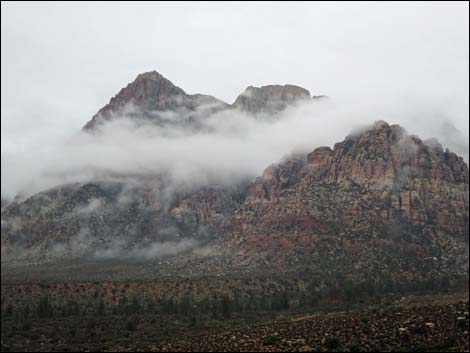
x=380, y=203
x=114, y=219
x=132, y=214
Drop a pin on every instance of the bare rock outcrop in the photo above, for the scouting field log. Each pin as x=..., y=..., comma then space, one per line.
x=270, y=99
x=151, y=94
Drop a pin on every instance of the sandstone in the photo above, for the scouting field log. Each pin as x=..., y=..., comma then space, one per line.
x=379, y=203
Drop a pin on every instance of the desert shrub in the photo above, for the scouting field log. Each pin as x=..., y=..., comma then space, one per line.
x=100, y=310
x=192, y=321
x=150, y=306
x=131, y=325
x=332, y=343
x=354, y=348
x=135, y=306
x=44, y=308
x=449, y=342
x=72, y=331
x=226, y=307
x=9, y=310
x=271, y=339
x=26, y=325
x=184, y=307
x=26, y=311
x=91, y=323
x=423, y=348
x=72, y=308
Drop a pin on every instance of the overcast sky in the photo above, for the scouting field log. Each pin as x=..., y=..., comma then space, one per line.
x=61, y=62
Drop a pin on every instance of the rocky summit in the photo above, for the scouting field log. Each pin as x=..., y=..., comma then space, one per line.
x=379, y=203
x=270, y=99
x=147, y=96
x=151, y=95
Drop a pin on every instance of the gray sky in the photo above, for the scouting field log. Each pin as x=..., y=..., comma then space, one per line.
x=61, y=62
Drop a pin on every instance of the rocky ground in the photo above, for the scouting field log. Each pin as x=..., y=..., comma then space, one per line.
x=413, y=323
x=429, y=327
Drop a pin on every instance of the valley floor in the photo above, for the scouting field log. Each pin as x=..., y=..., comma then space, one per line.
x=412, y=323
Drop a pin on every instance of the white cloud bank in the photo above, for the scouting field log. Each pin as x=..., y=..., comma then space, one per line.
x=403, y=63
x=229, y=147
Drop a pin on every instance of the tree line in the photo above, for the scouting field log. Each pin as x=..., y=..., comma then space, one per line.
x=224, y=306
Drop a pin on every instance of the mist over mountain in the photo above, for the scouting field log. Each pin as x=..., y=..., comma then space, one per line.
x=157, y=172
x=152, y=126
x=228, y=176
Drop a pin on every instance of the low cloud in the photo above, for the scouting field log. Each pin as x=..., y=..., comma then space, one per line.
x=145, y=252
x=224, y=148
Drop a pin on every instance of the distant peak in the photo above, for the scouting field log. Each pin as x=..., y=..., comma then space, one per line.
x=270, y=98
x=375, y=126
x=149, y=93
x=150, y=75
x=279, y=90
x=380, y=125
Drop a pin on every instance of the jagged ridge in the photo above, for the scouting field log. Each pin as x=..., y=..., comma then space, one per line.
x=151, y=93
x=381, y=201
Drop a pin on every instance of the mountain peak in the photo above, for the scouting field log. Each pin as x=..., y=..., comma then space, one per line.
x=150, y=75
x=147, y=96
x=151, y=93
x=270, y=98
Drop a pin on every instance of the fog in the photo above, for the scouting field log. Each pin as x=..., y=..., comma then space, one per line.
x=402, y=63
x=228, y=147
